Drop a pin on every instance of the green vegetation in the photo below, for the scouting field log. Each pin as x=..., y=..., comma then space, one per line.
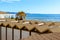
x=20, y=15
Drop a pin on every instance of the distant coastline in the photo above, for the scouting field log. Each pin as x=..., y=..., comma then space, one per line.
x=41, y=17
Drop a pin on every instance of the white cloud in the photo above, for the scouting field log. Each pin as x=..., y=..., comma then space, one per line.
x=10, y=1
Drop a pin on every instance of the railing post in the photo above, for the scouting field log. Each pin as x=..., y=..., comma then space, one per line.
x=20, y=34
x=12, y=33
x=29, y=33
x=0, y=32
x=6, y=33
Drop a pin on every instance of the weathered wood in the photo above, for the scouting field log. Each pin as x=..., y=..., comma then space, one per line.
x=0, y=32
x=6, y=33
x=20, y=34
x=12, y=33
x=29, y=33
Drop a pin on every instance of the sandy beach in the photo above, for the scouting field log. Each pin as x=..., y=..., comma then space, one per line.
x=30, y=25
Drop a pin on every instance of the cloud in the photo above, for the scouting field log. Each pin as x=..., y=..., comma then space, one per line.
x=10, y=1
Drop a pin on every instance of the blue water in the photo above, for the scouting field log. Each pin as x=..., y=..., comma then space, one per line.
x=43, y=17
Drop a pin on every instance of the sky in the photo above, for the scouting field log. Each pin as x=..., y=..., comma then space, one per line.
x=30, y=6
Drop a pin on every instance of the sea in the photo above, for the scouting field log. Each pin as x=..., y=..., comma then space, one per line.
x=41, y=17
x=44, y=17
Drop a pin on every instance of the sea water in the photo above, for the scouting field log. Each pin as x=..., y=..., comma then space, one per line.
x=43, y=17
